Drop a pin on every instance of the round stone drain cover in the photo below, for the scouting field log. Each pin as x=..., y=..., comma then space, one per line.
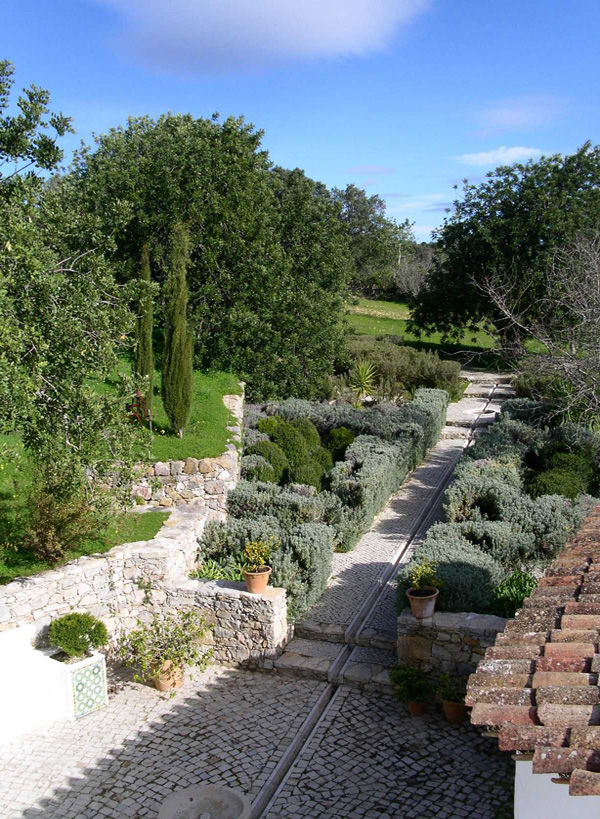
x=205, y=802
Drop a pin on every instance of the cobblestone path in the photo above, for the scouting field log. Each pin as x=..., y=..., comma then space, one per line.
x=226, y=727
x=367, y=758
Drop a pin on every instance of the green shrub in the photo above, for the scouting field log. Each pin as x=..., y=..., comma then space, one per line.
x=576, y=438
x=309, y=432
x=511, y=593
x=253, y=436
x=411, y=684
x=289, y=507
x=571, y=462
x=291, y=442
x=526, y=409
x=558, y=482
x=77, y=634
x=338, y=442
x=323, y=457
x=267, y=426
x=309, y=472
x=257, y=468
x=505, y=542
x=272, y=453
x=469, y=576
x=507, y=440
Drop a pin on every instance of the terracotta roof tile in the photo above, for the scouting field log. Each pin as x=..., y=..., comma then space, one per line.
x=539, y=682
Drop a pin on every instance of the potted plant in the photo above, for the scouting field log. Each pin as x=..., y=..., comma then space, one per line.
x=256, y=568
x=411, y=686
x=451, y=692
x=160, y=650
x=74, y=639
x=424, y=589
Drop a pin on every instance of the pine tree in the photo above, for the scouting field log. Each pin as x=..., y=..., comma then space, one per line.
x=144, y=356
x=177, y=366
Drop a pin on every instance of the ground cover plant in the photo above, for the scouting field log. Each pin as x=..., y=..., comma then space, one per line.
x=517, y=495
x=375, y=449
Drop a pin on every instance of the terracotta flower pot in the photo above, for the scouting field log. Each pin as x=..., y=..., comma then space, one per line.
x=170, y=676
x=455, y=712
x=416, y=709
x=257, y=582
x=422, y=603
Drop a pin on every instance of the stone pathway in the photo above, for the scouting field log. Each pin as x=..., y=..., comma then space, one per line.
x=368, y=758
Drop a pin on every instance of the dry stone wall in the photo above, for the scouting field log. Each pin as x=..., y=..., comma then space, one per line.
x=133, y=581
x=168, y=483
x=447, y=642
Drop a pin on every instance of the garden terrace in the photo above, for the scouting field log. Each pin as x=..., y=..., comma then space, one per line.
x=539, y=683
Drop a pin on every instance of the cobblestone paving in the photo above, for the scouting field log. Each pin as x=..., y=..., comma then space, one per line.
x=355, y=572
x=227, y=727
x=369, y=759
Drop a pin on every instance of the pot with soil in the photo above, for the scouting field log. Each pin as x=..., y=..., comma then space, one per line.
x=451, y=692
x=256, y=569
x=412, y=686
x=424, y=589
x=170, y=676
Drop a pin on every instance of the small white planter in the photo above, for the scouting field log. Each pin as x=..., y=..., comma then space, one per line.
x=84, y=684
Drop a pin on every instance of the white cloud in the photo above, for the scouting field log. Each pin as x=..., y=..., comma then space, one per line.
x=500, y=156
x=521, y=113
x=204, y=35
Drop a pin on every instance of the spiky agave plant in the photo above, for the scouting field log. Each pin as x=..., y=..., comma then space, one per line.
x=362, y=379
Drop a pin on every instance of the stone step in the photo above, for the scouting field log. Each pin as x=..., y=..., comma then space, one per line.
x=326, y=632
x=479, y=376
x=484, y=420
x=484, y=390
x=310, y=659
x=368, y=669
x=373, y=638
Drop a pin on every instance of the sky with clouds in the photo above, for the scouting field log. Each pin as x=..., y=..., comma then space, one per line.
x=402, y=97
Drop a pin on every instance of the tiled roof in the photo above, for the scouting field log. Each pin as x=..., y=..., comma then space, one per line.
x=538, y=685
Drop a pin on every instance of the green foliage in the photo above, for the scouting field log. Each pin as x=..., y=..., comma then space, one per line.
x=375, y=240
x=511, y=593
x=300, y=442
x=309, y=472
x=506, y=542
x=175, y=637
x=526, y=410
x=423, y=574
x=257, y=553
x=405, y=368
x=144, y=355
x=338, y=441
x=257, y=468
x=469, y=576
x=410, y=684
x=292, y=442
x=509, y=227
x=362, y=379
x=211, y=570
x=306, y=428
x=301, y=564
x=178, y=353
x=451, y=689
x=274, y=454
x=571, y=462
x=77, y=634
x=507, y=440
x=558, y=482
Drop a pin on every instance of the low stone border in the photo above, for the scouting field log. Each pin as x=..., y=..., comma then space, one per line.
x=447, y=642
x=167, y=483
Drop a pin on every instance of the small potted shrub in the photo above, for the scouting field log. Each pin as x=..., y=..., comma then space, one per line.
x=451, y=692
x=424, y=589
x=411, y=686
x=256, y=568
x=160, y=650
x=77, y=636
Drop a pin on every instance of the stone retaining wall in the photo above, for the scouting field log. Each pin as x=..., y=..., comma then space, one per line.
x=167, y=483
x=447, y=642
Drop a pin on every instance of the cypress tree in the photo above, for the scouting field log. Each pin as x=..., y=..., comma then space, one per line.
x=177, y=365
x=144, y=356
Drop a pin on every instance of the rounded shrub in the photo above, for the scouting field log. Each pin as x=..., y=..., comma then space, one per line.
x=309, y=432
x=257, y=468
x=469, y=576
x=505, y=542
x=309, y=472
x=557, y=482
x=323, y=457
x=286, y=436
x=268, y=425
x=338, y=442
x=272, y=453
x=571, y=462
x=77, y=633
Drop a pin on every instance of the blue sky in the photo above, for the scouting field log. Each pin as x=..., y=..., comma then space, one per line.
x=402, y=97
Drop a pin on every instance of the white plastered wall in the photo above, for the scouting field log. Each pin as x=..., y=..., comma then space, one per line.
x=537, y=797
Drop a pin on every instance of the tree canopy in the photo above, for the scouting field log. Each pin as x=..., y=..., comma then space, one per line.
x=506, y=230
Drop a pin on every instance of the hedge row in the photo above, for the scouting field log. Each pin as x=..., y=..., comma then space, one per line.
x=494, y=525
x=389, y=442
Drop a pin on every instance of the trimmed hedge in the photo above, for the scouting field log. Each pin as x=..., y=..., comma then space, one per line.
x=470, y=576
x=257, y=468
x=338, y=442
x=272, y=453
x=301, y=564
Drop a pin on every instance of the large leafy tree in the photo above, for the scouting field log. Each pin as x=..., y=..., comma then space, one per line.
x=375, y=241
x=63, y=317
x=137, y=182
x=502, y=236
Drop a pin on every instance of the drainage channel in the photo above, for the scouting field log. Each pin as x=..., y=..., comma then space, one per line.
x=271, y=789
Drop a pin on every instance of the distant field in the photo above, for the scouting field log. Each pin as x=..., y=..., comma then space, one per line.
x=372, y=317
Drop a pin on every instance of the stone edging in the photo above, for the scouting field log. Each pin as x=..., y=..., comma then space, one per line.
x=447, y=642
